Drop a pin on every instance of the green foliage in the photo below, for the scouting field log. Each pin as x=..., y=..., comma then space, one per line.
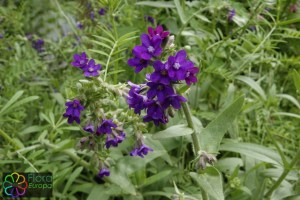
x=247, y=98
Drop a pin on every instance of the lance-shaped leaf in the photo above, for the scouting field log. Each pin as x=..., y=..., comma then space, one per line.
x=211, y=136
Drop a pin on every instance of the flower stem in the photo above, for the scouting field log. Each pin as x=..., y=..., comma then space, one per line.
x=284, y=174
x=9, y=139
x=188, y=116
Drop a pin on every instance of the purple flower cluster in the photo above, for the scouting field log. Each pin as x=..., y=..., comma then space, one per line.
x=107, y=127
x=73, y=111
x=158, y=94
x=89, y=67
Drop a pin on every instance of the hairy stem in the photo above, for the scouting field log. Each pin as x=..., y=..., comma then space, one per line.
x=9, y=139
x=284, y=174
x=188, y=116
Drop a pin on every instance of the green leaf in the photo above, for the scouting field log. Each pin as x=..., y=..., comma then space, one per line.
x=98, y=191
x=158, y=4
x=296, y=77
x=254, y=85
x=30, y=129
x=210, y=182
x=181, y=14
x=252, y=150
x=157, y=177
x=290, y=98
x=118, y=177
x=72, y=178
x=211, y=136
x=173, y=131
x=16, y=96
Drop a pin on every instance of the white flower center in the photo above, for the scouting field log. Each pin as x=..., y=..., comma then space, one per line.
x=188, y=74
x=176, y=65
x=91, y=69
x=151, y=49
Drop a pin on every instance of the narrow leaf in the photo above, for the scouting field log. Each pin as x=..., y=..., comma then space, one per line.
x=16, y=96
x=158, y=4
x=254, y=85
x=296, y=77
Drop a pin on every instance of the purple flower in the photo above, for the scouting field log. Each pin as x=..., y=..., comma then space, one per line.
x=149, y=48
x=190, y=75
x=137, y=102
x=154, y=110
x=160, y=90
x=160, y=75
x=89, y=128
x=91, y=69
x=1, y=36
x=79, y=25
x=149, y=19
x=141, y=151
x=80, y=61
x=105, y=127
x=173, y=100
x=104, y=172
x=230, y=15
x=138, y=63
x=38, y=45
x=177, y=65
x=102, y=11
x=92, y=15
x=114, y=141
x=73, y=111
x=158, y=31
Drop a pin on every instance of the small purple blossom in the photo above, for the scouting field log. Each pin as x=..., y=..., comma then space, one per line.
x=104, y=172
x=160, y=75
x=38, y=45
x=230, y=15
x=160, y=90
x=149, y=48
x=102, y=11
x=154, y=111
x=80, y=60
x=173, y=100
x=141, y=151
x=73, y=111
x=89, y=128
x=190, y=75
x=79, y=25
x=137, y=102
x=92, y=15
x=138, y=63
x=91, y=69
x=177, y=65
x=106, y=127
x=1, y=36
x=158, y=31
x=114, y=141
x=149, y=19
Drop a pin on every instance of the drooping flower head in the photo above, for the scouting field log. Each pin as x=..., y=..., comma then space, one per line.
x=80, y=60
x=158, y=31
x=89, y=128
x=141, y=151
x=114, y=139
x=73, y=111
x=160, y=90
x=106, y=127
x=190, y=75
x=174, y=101
x=103, y=172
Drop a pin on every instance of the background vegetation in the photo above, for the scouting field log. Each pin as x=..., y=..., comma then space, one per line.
x=256, y=54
